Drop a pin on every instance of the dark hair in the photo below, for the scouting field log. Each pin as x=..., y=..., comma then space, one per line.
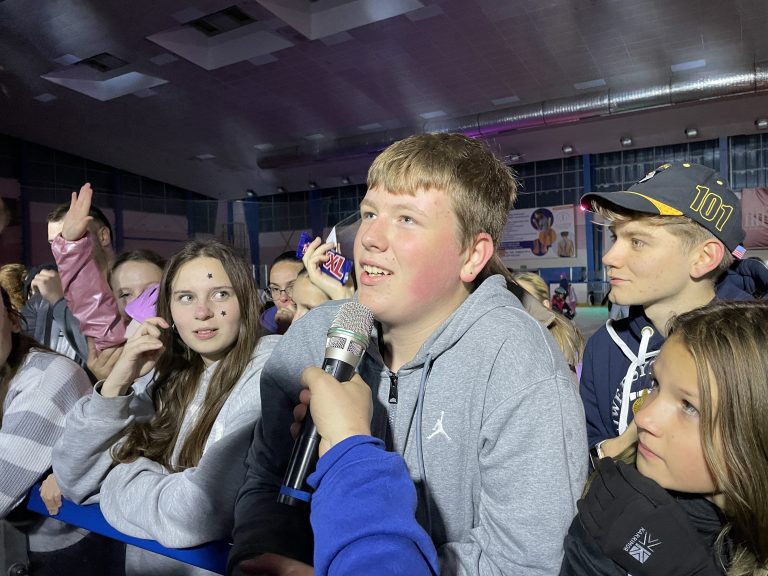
x=141, y=255
x=178, y=370
x=287, y=256
x=58, y=213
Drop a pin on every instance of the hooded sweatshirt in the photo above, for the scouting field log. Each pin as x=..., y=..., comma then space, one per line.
x=486, y=417
x=616, y=369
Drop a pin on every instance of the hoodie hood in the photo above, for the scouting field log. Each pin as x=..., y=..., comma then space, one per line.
x=489, y=296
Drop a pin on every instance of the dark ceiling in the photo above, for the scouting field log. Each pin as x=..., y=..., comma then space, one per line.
x=219, y=97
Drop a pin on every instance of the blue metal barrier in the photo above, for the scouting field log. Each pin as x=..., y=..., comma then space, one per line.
x=211, y=556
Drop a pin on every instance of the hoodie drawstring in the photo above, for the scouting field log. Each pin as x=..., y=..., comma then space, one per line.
x=419, y=444
x=635, y=361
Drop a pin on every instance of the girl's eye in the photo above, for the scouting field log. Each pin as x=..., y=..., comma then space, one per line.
x=367, y=215
x=406, y=219
x=185, y=298
x=637, y=243
x=221, y=295
x=122, y=295
x=689, y=408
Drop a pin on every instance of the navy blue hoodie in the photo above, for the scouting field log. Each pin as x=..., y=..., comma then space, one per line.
x=620, y=350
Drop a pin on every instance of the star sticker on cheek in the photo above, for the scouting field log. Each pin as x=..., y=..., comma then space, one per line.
x=223, y=312
x=210, y=275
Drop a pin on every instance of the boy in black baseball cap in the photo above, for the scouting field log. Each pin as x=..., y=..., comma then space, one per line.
x=676, y=232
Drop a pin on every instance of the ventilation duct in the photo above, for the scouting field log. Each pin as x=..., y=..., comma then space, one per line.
x=562, y=111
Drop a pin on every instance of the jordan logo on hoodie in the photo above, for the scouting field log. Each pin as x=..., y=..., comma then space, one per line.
x=438, y=427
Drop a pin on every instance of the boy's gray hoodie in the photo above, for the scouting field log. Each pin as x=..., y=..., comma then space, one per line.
x=487, y=419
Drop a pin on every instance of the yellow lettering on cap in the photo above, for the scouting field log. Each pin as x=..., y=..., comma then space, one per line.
x=710, y=206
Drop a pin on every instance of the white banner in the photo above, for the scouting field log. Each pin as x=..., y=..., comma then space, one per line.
x=541, y=232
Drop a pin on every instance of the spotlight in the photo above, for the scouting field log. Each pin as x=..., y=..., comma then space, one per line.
x=312, y=185
x=691, y=132
x=250, y=192
x=281, y=189
x=626, y=141
x=345, y=180
x=761, y=123
x=515, y=157
x=567, y=149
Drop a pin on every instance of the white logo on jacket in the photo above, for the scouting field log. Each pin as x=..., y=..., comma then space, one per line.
x=438, y=427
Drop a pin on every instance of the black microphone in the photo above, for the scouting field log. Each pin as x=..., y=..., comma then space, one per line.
x=345, y=345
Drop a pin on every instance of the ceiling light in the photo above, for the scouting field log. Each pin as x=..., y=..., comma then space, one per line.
x=761, y=123
x=515, y=157
x=345, y=180
x=691, y=132
x=312, y=185
x=281, y=189
x=250, y=192
x=626, y=141
x=567, y=149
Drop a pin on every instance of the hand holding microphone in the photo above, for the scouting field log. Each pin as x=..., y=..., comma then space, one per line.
x=346, y=342
x=339, y=409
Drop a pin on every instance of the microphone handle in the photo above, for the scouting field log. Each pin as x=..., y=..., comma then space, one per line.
x=295, y=491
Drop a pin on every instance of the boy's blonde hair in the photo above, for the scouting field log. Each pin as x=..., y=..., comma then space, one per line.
x=689, y=232
x=481, y=187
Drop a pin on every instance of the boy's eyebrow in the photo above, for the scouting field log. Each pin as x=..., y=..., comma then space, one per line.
x=396, y=207
x=630, y=230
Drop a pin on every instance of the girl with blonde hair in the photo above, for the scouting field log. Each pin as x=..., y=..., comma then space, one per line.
x=695, y=500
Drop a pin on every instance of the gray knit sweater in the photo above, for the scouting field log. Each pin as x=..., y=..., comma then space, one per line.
x=45, y=388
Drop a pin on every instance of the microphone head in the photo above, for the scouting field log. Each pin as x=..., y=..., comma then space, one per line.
x=351, y=329
x=354, y=317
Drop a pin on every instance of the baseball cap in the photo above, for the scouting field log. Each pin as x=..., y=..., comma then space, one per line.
x=684, y=189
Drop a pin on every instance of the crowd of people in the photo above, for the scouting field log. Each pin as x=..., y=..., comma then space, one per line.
x=479, y=435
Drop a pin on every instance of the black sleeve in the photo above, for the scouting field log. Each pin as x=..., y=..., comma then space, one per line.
x=583, y=557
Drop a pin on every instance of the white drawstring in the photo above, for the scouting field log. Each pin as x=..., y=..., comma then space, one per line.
x=635, y=361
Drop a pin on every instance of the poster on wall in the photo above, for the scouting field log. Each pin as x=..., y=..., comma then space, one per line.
x=754, y=214
x=539, y=232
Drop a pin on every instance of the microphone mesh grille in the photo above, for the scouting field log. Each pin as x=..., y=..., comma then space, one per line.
x=354, y=317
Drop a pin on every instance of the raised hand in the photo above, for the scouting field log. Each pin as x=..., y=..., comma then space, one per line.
x=315, y=256
x=138, y=357
x=76, y=220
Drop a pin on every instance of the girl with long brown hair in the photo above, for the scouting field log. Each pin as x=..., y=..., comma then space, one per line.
x=161, y=442
x=695, y=500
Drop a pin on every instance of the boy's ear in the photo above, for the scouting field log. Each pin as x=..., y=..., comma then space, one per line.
x=477, y=257
x=104, y=237
x=707, y=257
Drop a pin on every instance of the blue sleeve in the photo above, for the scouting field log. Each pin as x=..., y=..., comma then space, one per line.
x=592, y=382
x=363, y=514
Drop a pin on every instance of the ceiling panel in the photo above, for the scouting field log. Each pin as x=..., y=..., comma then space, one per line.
x=450, y=56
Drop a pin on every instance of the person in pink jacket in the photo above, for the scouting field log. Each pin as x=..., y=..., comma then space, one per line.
x=82, y=247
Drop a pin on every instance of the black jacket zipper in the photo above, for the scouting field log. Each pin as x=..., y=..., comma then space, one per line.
x=392, y=388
